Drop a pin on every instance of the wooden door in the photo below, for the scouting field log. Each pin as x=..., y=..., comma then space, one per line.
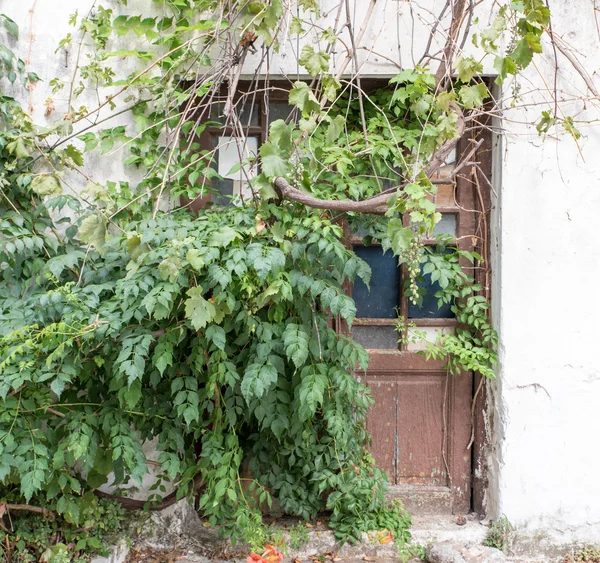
x=421, y=423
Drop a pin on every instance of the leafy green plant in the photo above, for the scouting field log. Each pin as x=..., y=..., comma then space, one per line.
x=298, y=535
x=499, y=534
x=11, y=66
x=230, y=344
x=472, y=347
x=34, y=537
x=410, y=551
x=256, y=534
x=351, y=518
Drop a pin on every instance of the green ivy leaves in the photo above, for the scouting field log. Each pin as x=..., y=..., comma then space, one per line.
x=313, y=61
x=312, y=390
x=295, y=340
x=527, y=21
x=131, y=361
x=473, y=96
x=197, y=309
x=400, y=236
x=46, y=184
x=265, y=259
x=257, y=380
x=93, y=231
x=223, y=237
x=336, y=126
x=273, y=161
x=229, y=340
x=468, y=68
x=11, y=27
x=303, y=97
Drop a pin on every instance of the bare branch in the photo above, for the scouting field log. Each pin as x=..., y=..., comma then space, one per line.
x=445, y=68
x=5, y=507
x=562, y=47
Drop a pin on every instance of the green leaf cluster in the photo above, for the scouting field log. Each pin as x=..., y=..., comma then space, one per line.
x=88, y=526
x=473, y=345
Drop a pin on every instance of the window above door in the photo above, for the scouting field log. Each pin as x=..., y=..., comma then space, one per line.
x=232, y=145
x=384, y=311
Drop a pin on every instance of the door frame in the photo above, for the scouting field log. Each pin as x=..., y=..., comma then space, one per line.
x=467, y=480
x=465, y=394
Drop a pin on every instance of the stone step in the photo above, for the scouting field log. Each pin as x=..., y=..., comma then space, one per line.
x=179, y=528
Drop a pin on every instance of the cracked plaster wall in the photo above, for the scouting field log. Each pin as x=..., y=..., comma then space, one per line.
x=547, y=257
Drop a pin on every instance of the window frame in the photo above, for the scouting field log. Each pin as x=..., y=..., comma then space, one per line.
x=459, y=200
x=457, y=196
x=249, y=93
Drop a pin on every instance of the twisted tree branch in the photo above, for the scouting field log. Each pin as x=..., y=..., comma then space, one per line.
x=375, y=204
x=378, y=203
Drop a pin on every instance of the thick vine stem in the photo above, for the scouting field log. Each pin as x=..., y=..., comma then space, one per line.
x=6, y=507
x=445, y=69
x=133, y=504
x=439, y=157
x=375, y=204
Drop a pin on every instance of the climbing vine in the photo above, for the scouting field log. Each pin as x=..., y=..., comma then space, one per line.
x=130, y=319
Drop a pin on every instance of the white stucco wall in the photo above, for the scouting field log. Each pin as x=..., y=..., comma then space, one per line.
x=548, y=391
x=546, y=260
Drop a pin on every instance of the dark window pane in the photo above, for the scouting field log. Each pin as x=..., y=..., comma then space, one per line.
x=279, y=110
x=224, y=191
x=247, y=112
x=382, y=300
x=446, y=225
x=216, y=111
x=376, y=337
x=428, y=309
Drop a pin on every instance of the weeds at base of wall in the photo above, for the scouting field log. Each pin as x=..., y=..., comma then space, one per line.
x=30, y=538
x=586, y=555
x=498, y=535
x=410, y=552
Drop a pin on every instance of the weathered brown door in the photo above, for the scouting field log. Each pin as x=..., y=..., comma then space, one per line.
x=421, y=423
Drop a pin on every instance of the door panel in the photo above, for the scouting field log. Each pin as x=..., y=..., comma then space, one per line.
x=420, y=426
x=421, y=440
x=382, y=423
